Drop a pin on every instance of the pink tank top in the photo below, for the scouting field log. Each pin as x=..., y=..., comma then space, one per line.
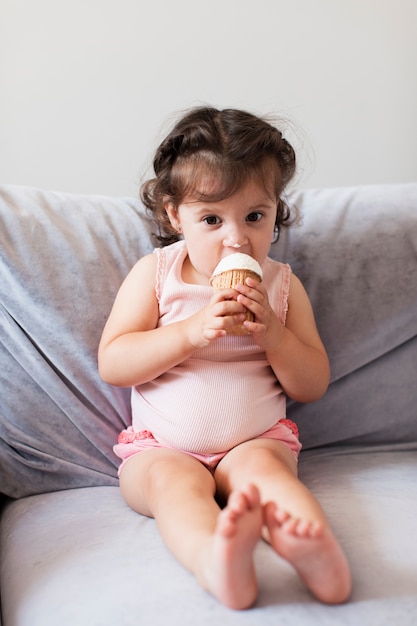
x=225, y=393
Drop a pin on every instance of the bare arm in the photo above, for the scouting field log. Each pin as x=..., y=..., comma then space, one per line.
x=134, y=350
x=295, y=351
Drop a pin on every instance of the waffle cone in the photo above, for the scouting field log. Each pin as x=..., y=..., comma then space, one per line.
x=229, y=280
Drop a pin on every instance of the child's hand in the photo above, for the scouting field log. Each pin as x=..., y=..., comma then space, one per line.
x=266, y=329
x=212, y=322
x=288, y=346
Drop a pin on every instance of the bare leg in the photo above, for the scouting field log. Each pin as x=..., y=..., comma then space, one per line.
x=295, y=524
x=217, y=546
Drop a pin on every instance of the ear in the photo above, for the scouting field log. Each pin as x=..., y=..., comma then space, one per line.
x=172, y=212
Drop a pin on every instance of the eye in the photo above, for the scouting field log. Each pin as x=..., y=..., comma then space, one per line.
x=254, y=217
x=211, y=220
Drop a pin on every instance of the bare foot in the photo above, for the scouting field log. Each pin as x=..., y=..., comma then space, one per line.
x=228, y=570
x=313, y=551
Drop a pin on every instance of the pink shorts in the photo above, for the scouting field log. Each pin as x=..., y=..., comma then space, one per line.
x=131, y=443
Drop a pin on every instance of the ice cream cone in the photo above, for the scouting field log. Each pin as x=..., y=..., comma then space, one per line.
x=233, y=270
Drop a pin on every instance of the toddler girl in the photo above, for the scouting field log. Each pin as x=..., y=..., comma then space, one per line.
x=210, y=454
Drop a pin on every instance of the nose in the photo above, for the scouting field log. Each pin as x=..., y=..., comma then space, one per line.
x=235, y=239
x=228, y=244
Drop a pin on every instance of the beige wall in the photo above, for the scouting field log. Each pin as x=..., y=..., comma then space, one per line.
x=86, y=85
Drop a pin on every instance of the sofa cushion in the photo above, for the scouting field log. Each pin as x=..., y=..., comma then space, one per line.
x=83, y=557
x=62, y=259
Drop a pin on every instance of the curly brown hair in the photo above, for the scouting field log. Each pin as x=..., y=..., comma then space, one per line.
x=229, y=146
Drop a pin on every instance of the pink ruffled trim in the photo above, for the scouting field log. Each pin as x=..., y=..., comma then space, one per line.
x=291, y=425
x=130, y=436
x=160, y=271
x=285, y=291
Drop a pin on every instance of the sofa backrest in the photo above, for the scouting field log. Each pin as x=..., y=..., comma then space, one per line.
x=62, y=259
x=356, y=253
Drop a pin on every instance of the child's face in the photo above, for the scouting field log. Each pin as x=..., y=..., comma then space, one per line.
x=243, y=222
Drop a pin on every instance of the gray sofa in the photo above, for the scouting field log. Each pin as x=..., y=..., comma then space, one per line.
x=72, y=552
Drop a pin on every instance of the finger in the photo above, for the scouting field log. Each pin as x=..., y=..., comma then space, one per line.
x=211, y=334
x=220, y=325
x=257, y=307
x=223, y=294
x=255, y=284
x=228, y=307
x=256, y=294
x=254, y=328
